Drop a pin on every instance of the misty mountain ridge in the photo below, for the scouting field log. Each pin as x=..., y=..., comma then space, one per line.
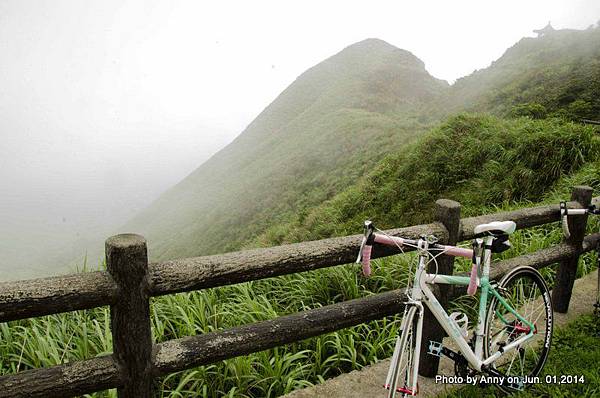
x=554, y=71
x=317, y=137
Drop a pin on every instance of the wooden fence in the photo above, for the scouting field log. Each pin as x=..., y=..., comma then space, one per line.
x=130, y=281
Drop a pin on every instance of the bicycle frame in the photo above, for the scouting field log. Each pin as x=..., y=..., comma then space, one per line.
x=421, y=292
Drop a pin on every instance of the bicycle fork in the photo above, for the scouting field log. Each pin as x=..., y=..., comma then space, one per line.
x=400, y=355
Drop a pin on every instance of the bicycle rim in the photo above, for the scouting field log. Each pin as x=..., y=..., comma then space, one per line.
x=524, y=290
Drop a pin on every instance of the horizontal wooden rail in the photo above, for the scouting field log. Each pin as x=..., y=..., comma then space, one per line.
x=101, y=373
x=66, y=380
x=524, y=218
x=187, y=352
x=46, y=296
x=211, y=271
x=544, y=257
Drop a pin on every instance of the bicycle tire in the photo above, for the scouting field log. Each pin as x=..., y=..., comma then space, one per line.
x=525, y=290
x=403, y=366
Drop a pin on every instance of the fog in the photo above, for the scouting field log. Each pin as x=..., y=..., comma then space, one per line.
x=104, y=105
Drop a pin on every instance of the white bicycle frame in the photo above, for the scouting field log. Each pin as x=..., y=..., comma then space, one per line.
x=421, y=292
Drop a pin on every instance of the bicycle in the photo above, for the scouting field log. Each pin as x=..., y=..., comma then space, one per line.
x=591, y=210
x=518, y=318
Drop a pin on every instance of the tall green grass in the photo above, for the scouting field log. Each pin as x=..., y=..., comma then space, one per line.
x=51, y=340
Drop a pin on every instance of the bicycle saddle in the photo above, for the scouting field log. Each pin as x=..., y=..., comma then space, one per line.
x=495, y=228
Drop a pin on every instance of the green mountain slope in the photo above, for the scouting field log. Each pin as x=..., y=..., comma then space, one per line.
x=322, y=133
x=556, y=74
x=477, y=160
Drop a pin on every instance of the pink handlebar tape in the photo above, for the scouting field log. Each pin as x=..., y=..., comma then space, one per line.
x=473, y=282
x=389, y=240
x=458, y=251
x=366, y=260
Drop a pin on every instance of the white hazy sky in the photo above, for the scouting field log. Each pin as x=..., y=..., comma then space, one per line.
x=104, y=104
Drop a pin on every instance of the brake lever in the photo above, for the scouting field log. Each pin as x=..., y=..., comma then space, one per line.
x=362, y=246
x=368, y=230
x=563, y=220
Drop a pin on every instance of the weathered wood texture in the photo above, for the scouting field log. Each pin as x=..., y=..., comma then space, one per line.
x=67, y=380
x=447, y=212
x=525, y=218
x=37, y=297
x=567, y=272
x=127, y=262
x=184, y=353
x=226, y=269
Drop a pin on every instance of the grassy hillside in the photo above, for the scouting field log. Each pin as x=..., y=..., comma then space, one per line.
x=477, y=160
x=322, y=133
x=557, y=74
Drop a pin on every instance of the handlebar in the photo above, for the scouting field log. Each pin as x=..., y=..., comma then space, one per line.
x=370, y=237
x=566, y=212
x=366, y=246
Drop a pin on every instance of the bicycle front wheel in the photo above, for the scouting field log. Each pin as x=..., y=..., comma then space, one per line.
x=525, y=291
x=402, y=375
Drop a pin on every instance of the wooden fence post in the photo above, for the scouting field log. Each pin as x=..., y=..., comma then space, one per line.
x=567, y=270
x=127, y=263
x=447, y=213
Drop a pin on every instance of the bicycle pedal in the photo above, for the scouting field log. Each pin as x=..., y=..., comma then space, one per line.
x=435, y=348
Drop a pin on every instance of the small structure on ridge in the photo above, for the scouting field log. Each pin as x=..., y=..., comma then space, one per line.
x=545, y=30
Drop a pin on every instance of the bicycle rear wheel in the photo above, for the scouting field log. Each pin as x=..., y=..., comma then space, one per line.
x=402, y=374
x=524, y=290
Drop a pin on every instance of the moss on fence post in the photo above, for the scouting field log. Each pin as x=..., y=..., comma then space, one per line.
x=127, y=263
